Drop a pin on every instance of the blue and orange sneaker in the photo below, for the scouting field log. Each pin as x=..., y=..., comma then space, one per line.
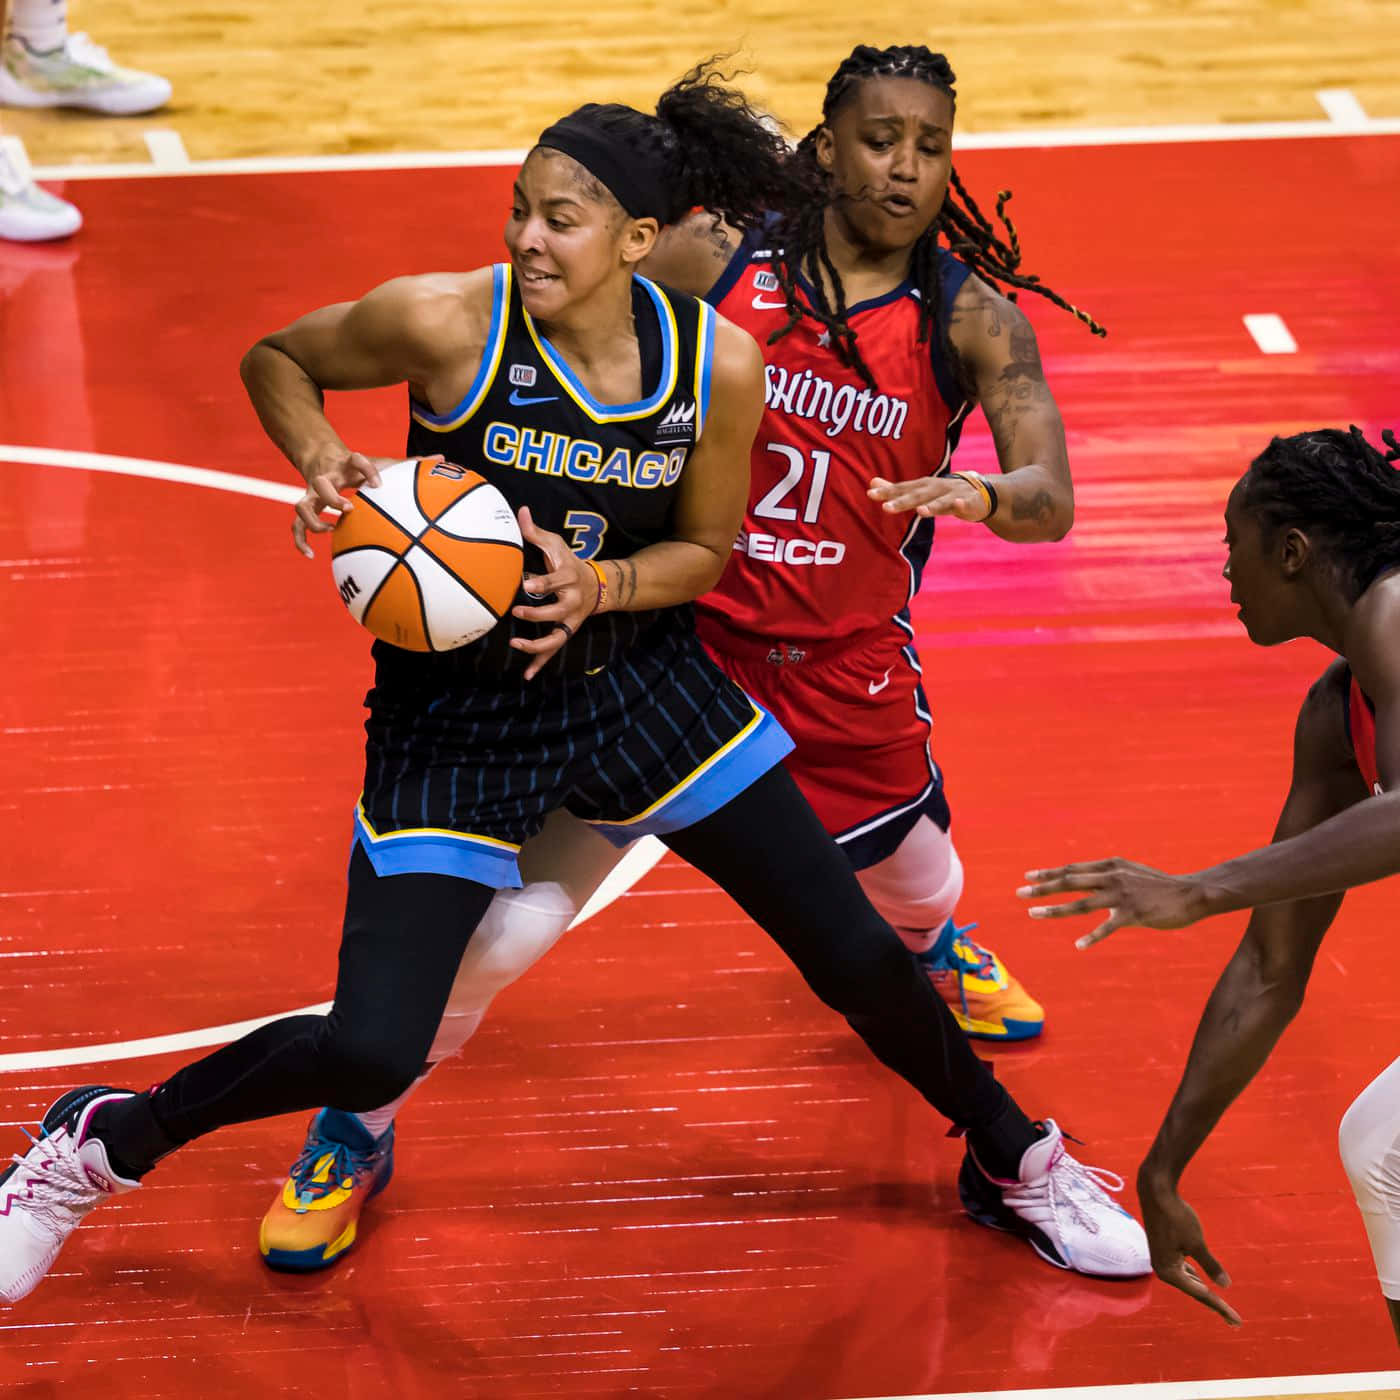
x=985, y=999
x=316, y=1215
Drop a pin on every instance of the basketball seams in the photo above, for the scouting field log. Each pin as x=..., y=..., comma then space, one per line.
x=462, y=583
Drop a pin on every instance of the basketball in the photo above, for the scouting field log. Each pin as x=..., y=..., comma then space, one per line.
x=430, y=559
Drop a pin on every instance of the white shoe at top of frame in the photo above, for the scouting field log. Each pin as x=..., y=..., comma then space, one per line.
x=79, y=74
x=27, y=213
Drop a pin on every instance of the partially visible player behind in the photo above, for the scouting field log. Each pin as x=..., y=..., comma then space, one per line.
x=1312, y=531
x=42, y=64
x=878, y=342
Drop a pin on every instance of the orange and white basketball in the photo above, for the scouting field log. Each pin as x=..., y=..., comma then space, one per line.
x=430, y=559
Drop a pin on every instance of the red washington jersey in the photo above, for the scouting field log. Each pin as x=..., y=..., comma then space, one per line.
x=817, y=560
x=1361, y=730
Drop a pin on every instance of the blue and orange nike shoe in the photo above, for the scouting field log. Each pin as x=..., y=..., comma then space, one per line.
x=985, y=999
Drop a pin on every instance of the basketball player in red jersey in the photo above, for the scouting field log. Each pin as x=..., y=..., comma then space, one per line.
x=1312, y=531
x=878, y=344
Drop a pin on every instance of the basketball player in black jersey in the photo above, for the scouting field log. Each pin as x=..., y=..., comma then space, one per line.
x=1312, y=531
x=622, y=415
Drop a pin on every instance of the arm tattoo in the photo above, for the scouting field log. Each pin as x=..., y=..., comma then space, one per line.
x=1040, y=508
x=626, y=582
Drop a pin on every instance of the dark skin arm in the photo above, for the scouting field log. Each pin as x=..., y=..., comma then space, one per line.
x=998, y=362
x=1262, y=986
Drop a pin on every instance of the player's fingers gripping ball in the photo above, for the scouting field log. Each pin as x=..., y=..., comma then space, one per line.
x=431, y=558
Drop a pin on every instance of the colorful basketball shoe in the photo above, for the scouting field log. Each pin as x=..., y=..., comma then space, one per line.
x=45, y=1194
x=1061, y=1208
x=987, y=1001
x=77, y=74
x=316, y=1215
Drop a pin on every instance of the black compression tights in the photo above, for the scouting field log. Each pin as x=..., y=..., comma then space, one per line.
x=769, y=852
x=404, y=937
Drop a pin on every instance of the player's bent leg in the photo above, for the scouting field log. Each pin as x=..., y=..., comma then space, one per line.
x=916, y=890
x=347, y=1159
x=767, y=850
x=1369, y=1141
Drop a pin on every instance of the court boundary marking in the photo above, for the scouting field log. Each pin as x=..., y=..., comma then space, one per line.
x=637, y=862
x=1345, y=117
x=1344, y=1383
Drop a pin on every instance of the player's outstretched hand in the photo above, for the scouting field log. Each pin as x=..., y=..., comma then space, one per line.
x=1132, y=894
x=1175, y=1238
x=573, y=584
x=334, y=471
x=931, y=495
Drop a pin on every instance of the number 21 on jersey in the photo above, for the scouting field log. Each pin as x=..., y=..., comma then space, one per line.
x=771, y=507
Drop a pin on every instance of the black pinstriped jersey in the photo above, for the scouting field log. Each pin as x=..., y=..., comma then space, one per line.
x=604, y=476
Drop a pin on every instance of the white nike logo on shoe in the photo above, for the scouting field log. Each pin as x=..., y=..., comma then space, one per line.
x=876, y=687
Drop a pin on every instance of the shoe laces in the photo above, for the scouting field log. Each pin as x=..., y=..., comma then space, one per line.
x=59, y=1193
x=1073, y=1186
x=983, y=960
x=345, y=1166
x=81, y=50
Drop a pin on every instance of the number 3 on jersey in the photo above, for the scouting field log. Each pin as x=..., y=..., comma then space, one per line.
x=771, y=506
x=588, y=530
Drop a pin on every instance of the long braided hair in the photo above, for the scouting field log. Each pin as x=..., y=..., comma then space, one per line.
x=970, y=235
x=1341, y=491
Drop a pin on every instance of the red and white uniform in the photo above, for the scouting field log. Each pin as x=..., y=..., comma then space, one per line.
x=812, y=614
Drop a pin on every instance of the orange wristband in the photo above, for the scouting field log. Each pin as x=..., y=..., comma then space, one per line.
x=601, y=604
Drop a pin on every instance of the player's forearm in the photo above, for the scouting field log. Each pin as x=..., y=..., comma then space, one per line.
x=662, y=575
x=289, y=404
x=1256, y=997
x=1354, y=847
x=1034, y=503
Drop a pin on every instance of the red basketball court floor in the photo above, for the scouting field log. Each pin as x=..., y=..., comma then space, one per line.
x=663, y=1169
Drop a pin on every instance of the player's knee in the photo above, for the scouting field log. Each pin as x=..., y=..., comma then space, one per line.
x=1368, y=1140
x=917, y=889
x=516, y=931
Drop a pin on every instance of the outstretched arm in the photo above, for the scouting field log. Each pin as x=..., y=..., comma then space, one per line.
x=999, y=360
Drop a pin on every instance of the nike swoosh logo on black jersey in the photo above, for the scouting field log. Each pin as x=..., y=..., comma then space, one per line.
x=520, y=400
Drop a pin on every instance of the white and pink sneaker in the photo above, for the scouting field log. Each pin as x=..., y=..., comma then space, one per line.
x=46, y=1193
x=1061, y=1208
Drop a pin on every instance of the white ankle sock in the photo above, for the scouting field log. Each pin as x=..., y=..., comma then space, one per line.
x=376, y=1123
x=42, y=24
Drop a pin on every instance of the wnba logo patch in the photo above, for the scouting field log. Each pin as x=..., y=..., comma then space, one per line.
x=522, y=376
x=765, y=282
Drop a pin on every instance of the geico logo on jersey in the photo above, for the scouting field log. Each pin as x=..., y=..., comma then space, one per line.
x=679, y=420
x=558, y=454
x=808, y=395
x=773, y=549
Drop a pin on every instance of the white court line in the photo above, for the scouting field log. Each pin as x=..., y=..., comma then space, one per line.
x=1183, y=133
x=1270, y=333
x=1350, y=1383
x=1343, y=108
x=167, y=149
x=638, y=859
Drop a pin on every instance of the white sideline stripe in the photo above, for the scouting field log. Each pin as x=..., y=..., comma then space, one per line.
x=1350, y=1383
x=167, y=149
x=635, y=863
x=1270, y=334
x=1343, y=108
x=157, y=471
x=1183, y=133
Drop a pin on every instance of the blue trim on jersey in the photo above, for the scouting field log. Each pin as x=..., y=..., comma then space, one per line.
x=437, y=852
x=704, y=363
x=606, y=412
x=952, y=275
x=490, y=360
x=735, y=268
x=721, y=778
x=905, y=288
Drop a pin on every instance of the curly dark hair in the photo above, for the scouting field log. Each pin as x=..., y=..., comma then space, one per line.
x=1340, y=490
x=970, y=235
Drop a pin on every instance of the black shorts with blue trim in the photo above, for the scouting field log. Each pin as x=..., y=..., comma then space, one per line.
x=462, y=770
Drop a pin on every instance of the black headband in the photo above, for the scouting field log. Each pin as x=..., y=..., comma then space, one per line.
x=635, y=179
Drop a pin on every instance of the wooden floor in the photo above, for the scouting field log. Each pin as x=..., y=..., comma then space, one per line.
x=287, y=77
